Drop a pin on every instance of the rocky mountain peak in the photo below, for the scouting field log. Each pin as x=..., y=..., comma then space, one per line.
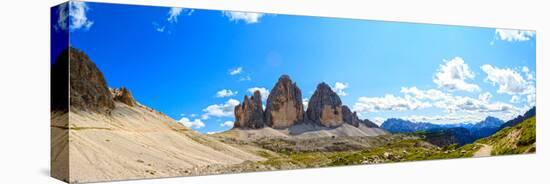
x=249, y=114
x=325, y=107
x=123, y=95
x=350, y=117
x=284, y=105
x=88, y=89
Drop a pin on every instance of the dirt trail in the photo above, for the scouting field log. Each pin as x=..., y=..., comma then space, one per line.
x=484, y=151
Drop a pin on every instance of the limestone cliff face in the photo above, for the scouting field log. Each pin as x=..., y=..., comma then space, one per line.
x=325, y=107
x=284, y=106
x=88, y=89
x=250, y=114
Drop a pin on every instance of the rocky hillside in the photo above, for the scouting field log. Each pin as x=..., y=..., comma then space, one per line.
x=518, y=139
x=113, y=137
x=88, y=89
x=284, y=110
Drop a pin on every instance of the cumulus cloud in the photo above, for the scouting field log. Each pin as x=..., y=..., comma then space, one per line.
x=227, y=124
x=432, y=94
x=247, y=17
x=446, y=119
x=339, y=88
x=236, y=71
x=415, y=98
x=72, y=16
x=514, y=35
x=305, y=103
x=263, y=91
x=508, y=80
x=173, y=14
x=452, y=75
x=485, y=97
x=388, y=103
x=220, y=110
x=225, y=93
x=528, y=74
x=196, y=124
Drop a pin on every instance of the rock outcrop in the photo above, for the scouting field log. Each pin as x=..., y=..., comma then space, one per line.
x=88, y=89
x=284, y=106
x=325, y=107
x=369, y=123
x=350, y=117
x=250, y=114
x=123, y=95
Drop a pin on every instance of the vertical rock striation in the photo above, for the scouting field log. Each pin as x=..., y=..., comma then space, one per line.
x=249, y=114
x=284, y=106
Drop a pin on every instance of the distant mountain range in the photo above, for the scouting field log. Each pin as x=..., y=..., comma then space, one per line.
x=458, y=133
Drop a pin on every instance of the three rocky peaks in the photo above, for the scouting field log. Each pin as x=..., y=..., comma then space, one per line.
x=284, y=108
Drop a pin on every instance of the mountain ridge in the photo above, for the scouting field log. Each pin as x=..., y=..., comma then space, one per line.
x=284, y=110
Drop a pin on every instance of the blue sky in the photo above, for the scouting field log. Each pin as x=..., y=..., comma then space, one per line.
x=195, y=65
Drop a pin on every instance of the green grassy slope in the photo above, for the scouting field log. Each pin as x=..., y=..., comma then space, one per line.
x=513, y=140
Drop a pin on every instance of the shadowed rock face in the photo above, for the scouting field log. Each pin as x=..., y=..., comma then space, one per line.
x=349, y=117
x=88, y=89
x=284, y=106
x=123, y=95
x=325, y=107
x=250, y=114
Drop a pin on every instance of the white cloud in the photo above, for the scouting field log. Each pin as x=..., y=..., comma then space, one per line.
x=531, y=99
x=432, y=94
x=339, y=88
x=225, y=93
x=528, y=74
x=220, y=110
x=236, y=71
x=75, y=13
x=263, y=91
x=247, y=17
x=227, y=124
x=245, y=78
x=513, y=35
x=197, y=123
x=515, y=99
x=213, y=132
x=508, y=80
x=414, y=98
x=173, y=14
x=305, y=103
x=446, y=119
x=452, y=75
x=485, y=97
x=388, y=103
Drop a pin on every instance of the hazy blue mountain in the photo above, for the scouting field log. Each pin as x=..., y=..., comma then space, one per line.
x=395, y=125
x=446, y=134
